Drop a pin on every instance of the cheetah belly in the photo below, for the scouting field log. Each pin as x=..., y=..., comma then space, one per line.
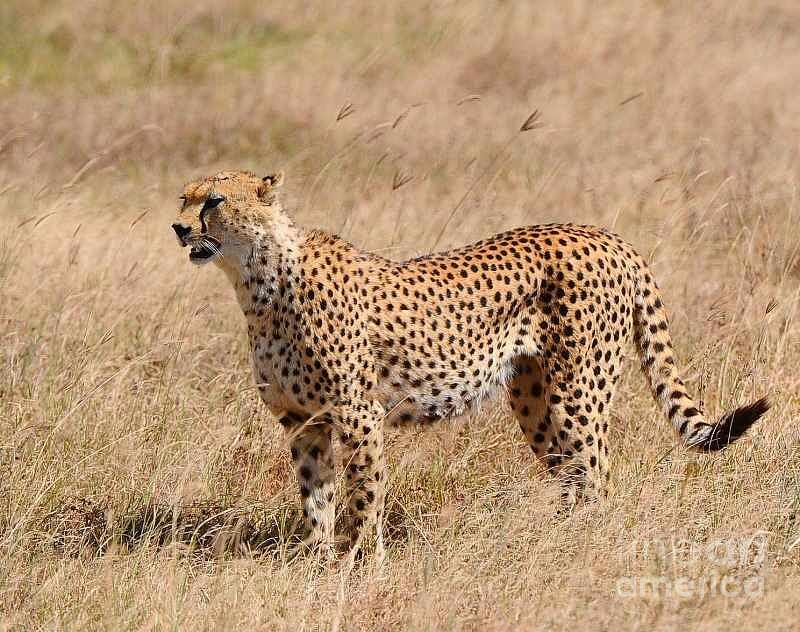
x=423, y=388
x=430, y=367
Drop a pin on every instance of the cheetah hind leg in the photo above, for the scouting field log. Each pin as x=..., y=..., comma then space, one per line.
x=583, y=467
x=528, y=401
x=562, y=432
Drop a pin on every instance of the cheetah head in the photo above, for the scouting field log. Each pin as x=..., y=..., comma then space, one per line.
x=219, y=215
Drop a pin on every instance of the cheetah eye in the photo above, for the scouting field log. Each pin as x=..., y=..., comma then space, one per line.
x=212, y=201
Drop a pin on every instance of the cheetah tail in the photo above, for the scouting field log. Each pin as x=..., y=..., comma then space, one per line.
x=654, y=345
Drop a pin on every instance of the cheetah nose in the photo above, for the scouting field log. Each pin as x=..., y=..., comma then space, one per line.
x=181, y=231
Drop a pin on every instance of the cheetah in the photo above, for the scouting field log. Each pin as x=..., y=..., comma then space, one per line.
x=345, y=343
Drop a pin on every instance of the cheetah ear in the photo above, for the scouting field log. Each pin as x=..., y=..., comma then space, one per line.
x=273, y=180
x=267, y=184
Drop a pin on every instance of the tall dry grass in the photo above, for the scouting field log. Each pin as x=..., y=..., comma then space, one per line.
x=145, y=487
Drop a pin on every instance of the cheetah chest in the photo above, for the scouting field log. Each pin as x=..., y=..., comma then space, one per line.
x=288, y=378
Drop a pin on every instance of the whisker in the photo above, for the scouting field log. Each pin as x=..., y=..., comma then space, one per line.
x=212, y=247
x=208, y=244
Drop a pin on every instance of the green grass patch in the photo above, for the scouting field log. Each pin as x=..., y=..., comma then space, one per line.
x=36, y=56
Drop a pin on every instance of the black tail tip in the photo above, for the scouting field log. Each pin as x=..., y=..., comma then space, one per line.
x=733, y=425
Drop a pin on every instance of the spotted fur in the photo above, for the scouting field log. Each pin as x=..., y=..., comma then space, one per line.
x=345, y=342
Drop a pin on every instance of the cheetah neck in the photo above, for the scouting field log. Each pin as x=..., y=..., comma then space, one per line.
x=265, y=275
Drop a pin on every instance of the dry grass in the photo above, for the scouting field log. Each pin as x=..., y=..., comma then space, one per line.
x=143, y=484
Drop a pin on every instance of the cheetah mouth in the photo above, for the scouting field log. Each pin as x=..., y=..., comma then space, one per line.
x=204, y=250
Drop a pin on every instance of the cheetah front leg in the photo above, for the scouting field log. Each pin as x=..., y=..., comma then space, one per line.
x=365, y=473
x=312, y=454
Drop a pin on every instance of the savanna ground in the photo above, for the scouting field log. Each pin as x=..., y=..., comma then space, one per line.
x=143, y=486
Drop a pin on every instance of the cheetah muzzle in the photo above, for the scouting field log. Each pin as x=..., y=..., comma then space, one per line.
x=345, y=343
